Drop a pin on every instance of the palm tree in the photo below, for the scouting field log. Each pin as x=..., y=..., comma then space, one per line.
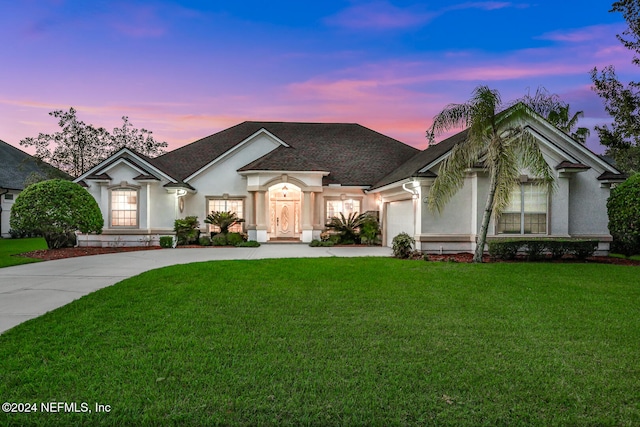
x=497, y=142
x=223, y=220
x=347, y=227
x=562, y=119
x=556, y=111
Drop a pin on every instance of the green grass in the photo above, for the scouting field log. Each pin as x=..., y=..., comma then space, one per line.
x=9, y=248
x=368, y=341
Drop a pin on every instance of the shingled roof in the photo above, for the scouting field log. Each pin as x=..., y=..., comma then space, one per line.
x=412, y=167
x=353, y=154
x=16, y=167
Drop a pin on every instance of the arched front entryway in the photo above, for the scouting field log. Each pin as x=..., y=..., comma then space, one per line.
x=285, y=208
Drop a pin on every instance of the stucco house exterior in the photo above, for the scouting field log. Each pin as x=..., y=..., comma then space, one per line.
x=17, y=169
x=287, y=179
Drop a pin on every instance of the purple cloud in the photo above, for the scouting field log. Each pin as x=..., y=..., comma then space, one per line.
x=379, y=15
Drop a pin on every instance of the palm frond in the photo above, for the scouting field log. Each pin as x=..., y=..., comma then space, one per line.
x=532, y=158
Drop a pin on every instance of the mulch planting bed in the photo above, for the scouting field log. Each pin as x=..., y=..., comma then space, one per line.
x=465, y=257
x=53, y=254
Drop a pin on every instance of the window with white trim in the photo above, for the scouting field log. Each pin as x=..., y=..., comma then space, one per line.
x=337, y=206
x=526, y=212
x=124, y=207
x=227, y=205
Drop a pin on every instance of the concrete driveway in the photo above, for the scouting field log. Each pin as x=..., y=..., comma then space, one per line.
x=28, y=291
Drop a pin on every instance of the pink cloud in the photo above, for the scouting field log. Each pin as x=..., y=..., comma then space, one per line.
x=585, y=34
x=484, y=5
x=379, y=15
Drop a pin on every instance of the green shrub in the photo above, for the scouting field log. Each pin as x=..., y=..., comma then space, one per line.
x=56, y=209
x=504, y=249
x=233, y=239
x=186, y=229
x=248, y=244
x=557, y=248
x=205, y=241
x=369, y=230
x=581, y=249
x=166, y=241
x=403, y=245
x=535, y=249
x=219, y=240
x=321, y=243
x=348, y=228
x=623, y=208
x=335, y=239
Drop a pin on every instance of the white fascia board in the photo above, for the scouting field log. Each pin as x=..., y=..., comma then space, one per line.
x=282, y=172
x=549, y=144
x=399, y=183
x=100, y=166
x=126, y=162
x=235, y=148
x=580, y=148
x=435, y=162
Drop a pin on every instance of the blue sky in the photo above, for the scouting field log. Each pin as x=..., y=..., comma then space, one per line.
x=188, y=69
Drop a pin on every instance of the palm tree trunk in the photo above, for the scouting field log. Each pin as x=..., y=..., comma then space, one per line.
x=488, y=209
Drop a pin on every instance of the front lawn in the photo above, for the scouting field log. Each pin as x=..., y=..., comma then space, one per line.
x=9, y=248
x=335, y=341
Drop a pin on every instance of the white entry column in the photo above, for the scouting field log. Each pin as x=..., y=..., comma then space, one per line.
x=261, y=218
x=307, y=216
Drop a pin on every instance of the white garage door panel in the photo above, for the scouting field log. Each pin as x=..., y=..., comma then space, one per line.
x=399, y=219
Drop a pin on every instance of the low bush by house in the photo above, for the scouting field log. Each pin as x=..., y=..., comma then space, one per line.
x=166, y=241
x=536, y=249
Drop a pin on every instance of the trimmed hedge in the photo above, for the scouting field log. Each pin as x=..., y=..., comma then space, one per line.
x=623, y=208
x=166, y=241
x=321, y=243
x=248, y=244
x=536, y=249
x=55, y=209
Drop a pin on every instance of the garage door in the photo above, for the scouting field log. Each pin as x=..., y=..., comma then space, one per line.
x=399, y=219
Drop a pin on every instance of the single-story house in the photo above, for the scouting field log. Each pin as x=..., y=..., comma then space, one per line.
x=287, y=179
x=17, y=170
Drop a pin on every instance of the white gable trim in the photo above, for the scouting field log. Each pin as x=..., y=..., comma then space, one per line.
x=126, y=162
x=235, y=148
x=119, y=153
x=551, y=145
x=572, y=144
x=435, y=162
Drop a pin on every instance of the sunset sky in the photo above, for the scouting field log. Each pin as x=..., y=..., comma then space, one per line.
x=188, y=69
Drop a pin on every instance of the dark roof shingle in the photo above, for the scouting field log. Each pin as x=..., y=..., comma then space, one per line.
x=16, y=167
x=353, y=154
x=412, y=167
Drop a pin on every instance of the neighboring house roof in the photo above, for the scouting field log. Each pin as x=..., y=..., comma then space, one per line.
x=16, y=167
x=353, y=154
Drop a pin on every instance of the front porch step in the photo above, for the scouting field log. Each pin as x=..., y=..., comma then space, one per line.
x=285, y=240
